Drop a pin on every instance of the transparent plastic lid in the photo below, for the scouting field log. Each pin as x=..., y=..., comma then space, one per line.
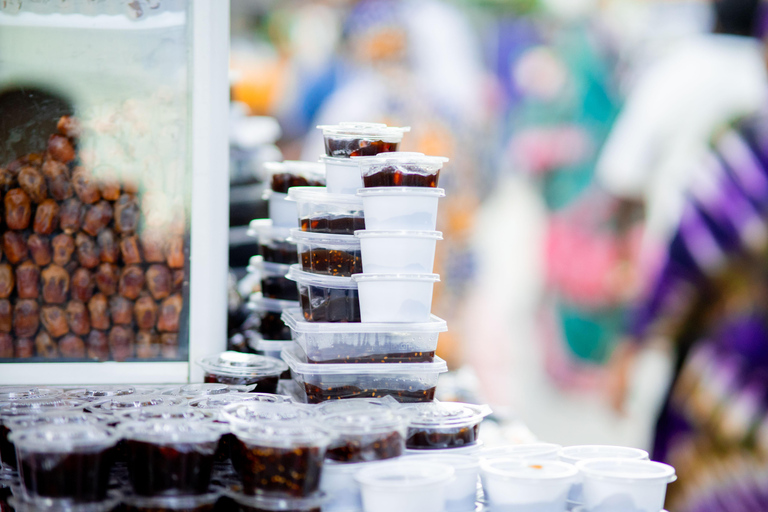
x=401, y=158
x=27, y=406
x=364, y=421
x=264, y=228
x=8, y=393
x=92, y=393
x=241, y=364
x=361, y=278
x=322, y=196
x=335, y=160
x=252, y=413
x=445, y=414
x=54, y=417
x=529, y=470
x=365, y=130
x=171, y=431
x=401, y=191
x=291, y=357
x=369, y=233
x=218, y=402
x=258, y=302
x=63, y=438
x=301, y=277
x=122, y=403
x=627, y=470
x=356, y=404
x=287, y=434
x=294, y=319
x=257, y=264
x=162, y=412
x=170, y=503
x=299, y=236
x=297, y=167
x=257, y=342
x=207, y=389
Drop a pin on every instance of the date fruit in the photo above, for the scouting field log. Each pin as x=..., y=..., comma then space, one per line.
x=159, y=281
x=109, y=250
x=107, y=277
x=63, y=247
x=6, y=346
x=14, y=247
x=57, y=177
x=72, y=347
x=175, y=252
x=98, y=309
x=126, y=214
x=55, y=285
x=45, y=346
x=170, y=311
x=120, y=310
x=7, y=280
x=61, y=149
x=18, y=209
x=97, y=345
x=82, y=285
x=46, y=217
x=28, y=280
x=77, y=318
x=26, y=318
x=145, y=312
x=131, y=282
x=71, y=216
x=33, y=183
x=121, y=343
x=6, y=316
x=87, y=252
x=97, y=217
x=85, y=186
x=25, y=348
x=54, y=320
x=40, y=249
x=129, y=248
x=153, y=247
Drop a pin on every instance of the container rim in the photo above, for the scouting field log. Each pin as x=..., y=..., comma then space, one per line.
x=298, y=236
x=302, y=277
x=566, y=471
x=623, y=470
x=322, y=196
x=577, y=453
x=258, y=302
x=421, y=473
x=295, y=320
x=401, y=191
x=361, y=278
x=401, y=233
x=291, y=358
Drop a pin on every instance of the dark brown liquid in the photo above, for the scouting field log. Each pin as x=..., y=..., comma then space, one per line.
x=7, y=448
x=272, y=327
x=329, y=304
x=316, y=395
x=276, y=287
x=82, y=477
x=334, y=224
x=332, y=262
x=182, y=468
x=335, y=356
x=263, y=384
x=345, y=148
x=401, y=176
x=429, y=439
x=281, y=182
x=279, y=253
x=387, y=446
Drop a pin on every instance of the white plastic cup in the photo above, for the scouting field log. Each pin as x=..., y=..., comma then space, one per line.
x=516, y=485
x=538, y=451
x=396, y=298
x=461, y=494
x=398, y=252
x=618, y=485
x=342, y=175
x=401, y=208
x=338, y=482
x=281, y=210
x=405, y=486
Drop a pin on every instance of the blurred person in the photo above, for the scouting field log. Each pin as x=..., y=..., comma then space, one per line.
x=704, y=186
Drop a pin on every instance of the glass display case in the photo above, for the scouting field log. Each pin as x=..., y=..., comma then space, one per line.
x=114, y=186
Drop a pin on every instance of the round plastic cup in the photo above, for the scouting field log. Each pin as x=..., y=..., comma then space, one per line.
x=250, y=413
x=64, y=463
x=617, y=485
x=471, y=449
x=266, y=316
x=326, y=298
x=520, y=486
x=538, y=451
x=163, y=412
x=19, y=505
x=439, y=425
x=349, y=139
x=398, y=252
x=401, y=208
x=263, y=503
x=405, y=486
x=274, y=285
x=293, y=173
x=396, y=298
x=342, y=175
x=199, y=503
x=339, y=484
x=400, y=169
x=461, y=494
x=356, y=404
x=281, y=210
x=365, y=435
x=273, y=241
x=320, y=211
x=243, y=369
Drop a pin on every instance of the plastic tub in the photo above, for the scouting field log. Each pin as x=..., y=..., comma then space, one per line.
x=461, y=494
x=64, y=463
x=338, y=483
x=365, y=435
x=332, y=255
x=401, y=169
x=405, y=382
x=274, y=284
x=398, y=252
x=266, y=316
x=342, y=175
x=521, y=486
x=16, y=504
x=273, y=241
x=617, y=485
x=338, y=343
x=283, y=176
x=348, y=139
x=200, y=503
x=262, y=503
x=401, y=208
x=170, y=457
x=243, y=369
x=326, y=298
x=537, y=451
x=439, y=425
x=397, y=298
x=322, y=212
x=405, y=486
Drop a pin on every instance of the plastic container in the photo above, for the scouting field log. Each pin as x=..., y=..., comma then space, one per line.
x=97, y=393
x=201, y=503
x=9, y=393
x=266, y=316
x=331, y=255
x=116, y=404
x=398, y=252
x=271, y=348
x=261, y=503
x=397, y=298
x=191, y=391
x=440, y=425
x=293, y=173
x=338, y=482
x=618, y=485
x=273, y=241
x=348, y=139
x=64, y=463
x=401, y=208
x=366, y=434
x=337, y=343
x=342, y=175
x=326, y=298
x=405, y=486
x=319, y=211
x=166, y=412
x=218, y=402
x=243, y=369
x=537, y=451
x=355, y=404
x=405, y=382
x=401, y=169
x=470, y=449
x=280, y=457
x=16, y=504
x=522, y=486
x=461, y=494
x=274, y=284
x=170, y=457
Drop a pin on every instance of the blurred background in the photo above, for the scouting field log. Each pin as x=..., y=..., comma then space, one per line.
x=604, y=265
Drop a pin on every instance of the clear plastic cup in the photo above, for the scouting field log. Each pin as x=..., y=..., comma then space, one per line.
x=462, y=492
x=366, y=434
x=251, y=413
x=405, y=486
x=199, y=503
x=520, y=485
x=439, y=425
x=470, y=449
x=400, y=169
x=96, y=393
x=338, y=482
x=116, y=404
x=537, y=451
x=326, y=254
x=274, y=284
x=348, y=139
x=64, y=463
x=326, y=298
x=621, y=485
x=243, y=369
x=396, y=298
x=263, y=503
x=273, y=241
x=398, y=252
x=266, y=316
x=284, y=175
x=218, y=402
x=336, y=343
x=271, y=348
x=320, y=211
x=164, y=412
x=401, y=208
x=170, y=457
x=16, y=504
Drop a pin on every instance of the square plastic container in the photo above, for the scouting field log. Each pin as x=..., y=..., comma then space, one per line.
x=342, y=175
x=326, y=298
x=365, y=434
x=398, y=252
x=405, y=486
x=338, y=343
x=405, y=382
x=397, y=298
x=322, y=212
x=461, y=494
x=400, y=169
x=266, y=316
x=617, y=485
x=440, y=425
x=274, y=284
x=516, y=485
x=401, y=208
x=326, y=254
x=273, y=241
x=348, y=139
x=244, y=369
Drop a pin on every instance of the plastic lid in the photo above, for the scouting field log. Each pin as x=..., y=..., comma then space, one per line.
x=433, y=278
x=163, y=412
x=287, y=434
x=321, y=195
x=356, y=129
x=364, y=421
x=522, y=451
x=529, y=470
x=401, y=191
x=122, y=403
x=264, y=228
x=54, y=417
x=258, y=302
x=218, y=402
x=298, y=167
x=301, y=277
x=627, y=470
x=573, y=454
x=402, y=158
x=339, y=160
x=169, y=503
x=240, y=364
x=291, y=357
x=456, y=461
x=369, y=233
x=63, y=438
x=257, y=264
x=446, y=414
x=92, y=393
x=22, y=407
x=356, y=404
x=278, y=503
x=263, y=412
x=171, y=431
x=110, y=504
x=8, y=393
x=297, y=235
x=198, y=390
x=257, y=342
x=400, y=474
x=294, y=319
